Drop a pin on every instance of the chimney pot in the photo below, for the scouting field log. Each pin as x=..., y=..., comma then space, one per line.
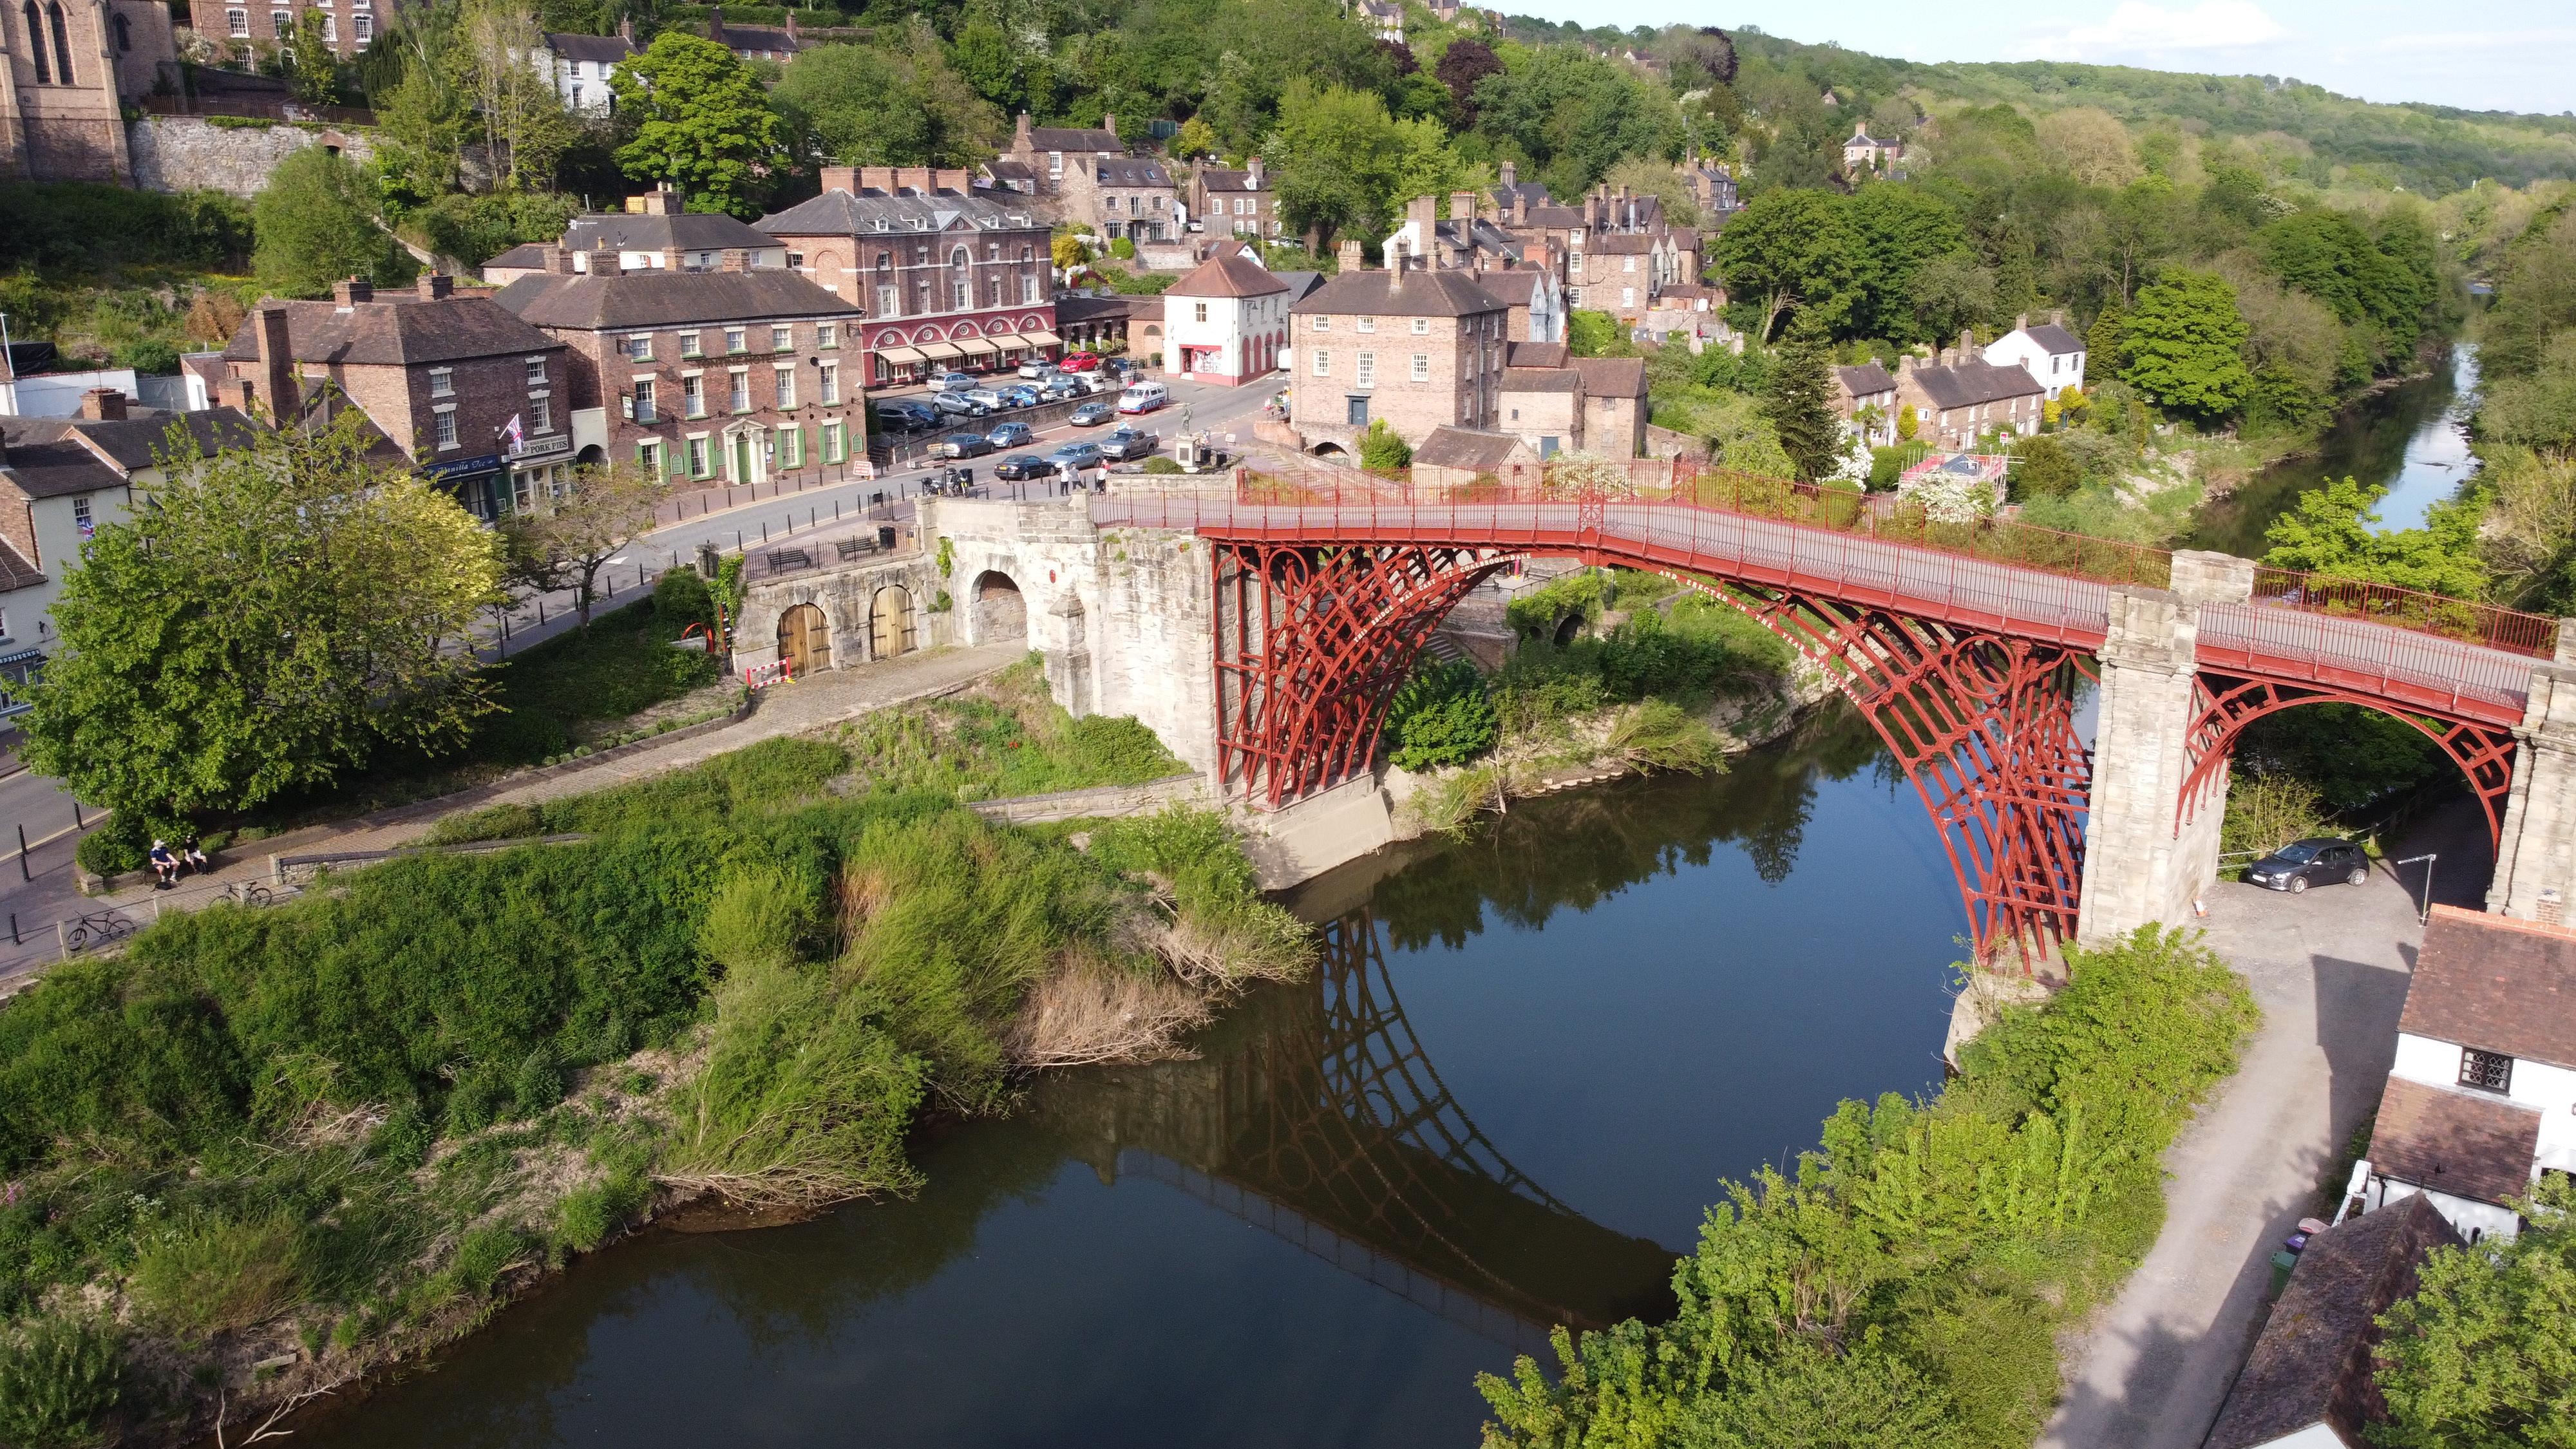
x=1109, y=123
x=1253, y=173
x=1967, y=342
x=277, y=364
x=1352, y=254
x=840, y=178
x=103, y=404
x=436, y=286
x=352, y=291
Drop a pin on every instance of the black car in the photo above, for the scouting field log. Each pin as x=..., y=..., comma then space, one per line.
x=904, y=417
x=965, y=445
x=1023, y=465
x=2303, y=863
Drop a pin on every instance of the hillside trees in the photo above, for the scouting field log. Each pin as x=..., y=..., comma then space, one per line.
x=1575, y=115
x=2484, y=1353
x=1791, y=250
x=2184, y=342
x=1344, y=164
x=868, y=106
x=316, y=223
x=702, y=123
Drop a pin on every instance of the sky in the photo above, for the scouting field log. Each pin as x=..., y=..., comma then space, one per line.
x=2490, y=55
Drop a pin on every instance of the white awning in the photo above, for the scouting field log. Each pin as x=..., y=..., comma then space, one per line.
x=899, y=356
x=941, y=351
x=1040, y=338
x=978, y=346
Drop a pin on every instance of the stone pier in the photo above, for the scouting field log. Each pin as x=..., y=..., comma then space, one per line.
x=2535, y=869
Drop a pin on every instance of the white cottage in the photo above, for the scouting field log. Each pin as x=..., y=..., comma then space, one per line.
x=1226, y=322
x=2052, y=355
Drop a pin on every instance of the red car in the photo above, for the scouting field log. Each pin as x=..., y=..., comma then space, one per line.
x=1078, y=361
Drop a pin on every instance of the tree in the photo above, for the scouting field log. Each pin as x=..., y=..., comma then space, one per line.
x=702, y=122
x=316, y=224
x=1195, y=139
x=313, y=67
x=1897, y=233
x=526, y=129
x=276, y=614
x=1801, y=402
x=567, y=540
x=1067, y=250
x=1464, y=66
x=1644, y=176
x=1790, y=250
x=1590, y=333
x=1382, y=450
x=1345, y=164
x=2334, y=530
x=2043, y=468
x=1574, y=115
x=2485, y=1352
x=2090, y=144
x=2184, y=344
x=865, y=106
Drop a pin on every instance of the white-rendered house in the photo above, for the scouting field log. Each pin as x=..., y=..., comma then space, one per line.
x=2482, y=1097
x=1226, y=322
x=2052, y=355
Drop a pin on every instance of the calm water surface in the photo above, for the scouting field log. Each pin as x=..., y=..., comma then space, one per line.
x=1526, y=1064
x=2413, y=438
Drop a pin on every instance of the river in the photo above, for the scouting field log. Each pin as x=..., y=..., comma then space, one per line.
x=2413, y=438
x=1504, y=1102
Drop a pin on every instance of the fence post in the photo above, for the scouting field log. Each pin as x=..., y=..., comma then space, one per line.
x=77, y=822
x=23, y=873
x=63, y=938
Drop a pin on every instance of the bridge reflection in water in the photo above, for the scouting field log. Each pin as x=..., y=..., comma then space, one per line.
x=1331, y=1129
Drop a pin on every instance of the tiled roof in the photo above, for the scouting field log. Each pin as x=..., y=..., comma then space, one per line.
x=606, y=49
x=1449, y=447
x=1536, y=354
x=16, y=572
x=1073, y=308
x=1227, y=274
x=1130, y=171
x=1612, y=376
x=2057, y=340
x=1437, y=292
x=59, y=469
x=1003, y=168
x=396, y=331
x=1541, y=379
x=141, y=441
x=1512, y=284
x=1865, y=379
x=1967, y=384
x=661, y=298
x=2313, y=1363
x=1217, y=179
x=635, y=231
x=761, y=40
x=526, y=256
x=1554, y=215
x=854, y=213
x=2497, y=984
x=2458, y=1142
x=1623, y=242
x=1073, y=138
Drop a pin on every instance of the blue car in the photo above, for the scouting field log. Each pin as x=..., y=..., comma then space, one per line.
x=1019, y=397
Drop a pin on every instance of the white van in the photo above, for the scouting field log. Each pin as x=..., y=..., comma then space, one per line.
x=1143, y=397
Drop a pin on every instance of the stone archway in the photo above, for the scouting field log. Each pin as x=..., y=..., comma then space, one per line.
x=890, y=622
x=1329, y=449
x=1001, y=612
x=804, y=640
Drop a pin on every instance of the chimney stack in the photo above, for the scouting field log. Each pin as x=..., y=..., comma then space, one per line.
x=352, y=291
x=1422, y=212
x=1352, y=254
x=734, y=259
x=285, y=397
x=1510, y=174
x=1109, y=123
x=661, y=201
x=436, y=286
x=1462, y=206
x=2022, y=323
x=841, y=178
x=1252, y=173
x=103, y=404
x=2056, y=316
x=626, y=31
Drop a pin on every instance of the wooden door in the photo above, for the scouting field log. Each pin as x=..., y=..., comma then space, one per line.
x=804, y=640
x=890, y=622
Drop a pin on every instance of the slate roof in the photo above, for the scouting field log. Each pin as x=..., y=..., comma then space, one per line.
x=15, y=571
x=1612, y=376
x=2459, y=1142
x=2057, y=340
x=1535, y=354
x=1449, y=447
x=141, y=440
x=1074, y=138
x=659, y=298
x=2313, y=1363
x=1218, y=179
x=1073, y=308
x=1623, y=242
x=1130, y=171
x=760, y=40
x=59, y=469
x=1003, y=168
x=1300, y=283
x=525, y=256
x=1967, y=384
x=1865, y=379
x=1227, y=274
x=396, y=330
x=631, y=231
x=853, y=213
x=2497, y=984
x=1541, y=379
x=58, y=457
x=1433, y=293
x=1533, y=192
x=1514, y=285
x=606, y=49
x=1554, y=215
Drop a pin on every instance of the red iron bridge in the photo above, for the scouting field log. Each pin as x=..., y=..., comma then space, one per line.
x=1961, y=642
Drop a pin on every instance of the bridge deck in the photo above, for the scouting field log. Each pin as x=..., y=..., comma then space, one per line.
x=2409, y=668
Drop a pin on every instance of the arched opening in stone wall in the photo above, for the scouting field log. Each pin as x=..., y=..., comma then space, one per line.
x=804, y=640
x=1568, y=629
x=1001, y=612
x=1329, y=449
x=890, y=627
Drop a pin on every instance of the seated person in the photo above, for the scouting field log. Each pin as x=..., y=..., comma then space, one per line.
x=165, y=865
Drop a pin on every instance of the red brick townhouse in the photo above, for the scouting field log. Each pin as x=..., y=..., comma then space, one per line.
x=946, y=275
x=733, y=376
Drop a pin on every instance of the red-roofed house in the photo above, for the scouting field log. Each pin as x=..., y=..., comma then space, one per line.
x=1226, y=322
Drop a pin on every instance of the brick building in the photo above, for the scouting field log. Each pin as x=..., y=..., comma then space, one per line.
x=1235, y=203
x=1086, y=175
x=1557, y=403
x=1420, y=346
x=1226, y=322
x=944, y=274
x=1961, y=395
x=735, y=376
x=1865, y=399
x=350, y=26
x=67, y=69
x=444, y=377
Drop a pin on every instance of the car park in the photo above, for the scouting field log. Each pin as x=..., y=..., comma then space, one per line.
x=1128, y=444
x=2320, y=860
x=965, y=445
x=1092, y=414
x=1063, y=386
x=1011, y=435
x=959, y=405
x=986, y=397
x=1022, y=465
x=1076, y=455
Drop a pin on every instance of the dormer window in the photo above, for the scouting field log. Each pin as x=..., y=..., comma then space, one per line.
x=2486, y=1071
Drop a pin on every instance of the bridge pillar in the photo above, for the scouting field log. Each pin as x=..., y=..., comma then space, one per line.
x=2139, y=868
x=2535, y=869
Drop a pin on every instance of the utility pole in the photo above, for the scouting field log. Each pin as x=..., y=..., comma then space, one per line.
x=2424, y=910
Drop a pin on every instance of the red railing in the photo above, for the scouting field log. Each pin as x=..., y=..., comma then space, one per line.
x=2413, y=609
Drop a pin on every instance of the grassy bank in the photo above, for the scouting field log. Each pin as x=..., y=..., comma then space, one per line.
x=1907, y=1284
x=331, y=1134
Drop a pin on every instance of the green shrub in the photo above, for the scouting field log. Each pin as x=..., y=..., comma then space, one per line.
x=1440, y=716
x=58, y=1378
x=680, y=598
x=2043, y=468
x=1158, y=464
x=82, y=225
x=756, y=918
x=588, y=1216
x=213, y=1275
x=538, y=1083
x=119, y=844
x=1656, y=735
x=1382, y=450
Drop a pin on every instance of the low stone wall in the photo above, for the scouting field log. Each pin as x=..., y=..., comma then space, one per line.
x=193, y=153
x=1665, y=443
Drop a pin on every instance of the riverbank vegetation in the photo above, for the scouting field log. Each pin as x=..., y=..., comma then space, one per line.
x=1904, y=1285
x=330, y=1133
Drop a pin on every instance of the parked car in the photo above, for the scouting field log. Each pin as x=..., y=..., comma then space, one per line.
x=986, y=397
x=1022, y=465
x=1143, y=397
x=951, y=381
x=904, y=416
x=1011, y=435
x=965, y=445
x=959, y=405
x=1062, y=386
x=2300, y=864
x=1127, y=444
x=1079, y=361
x=1092, y=414
x=1018, y=397
x=1076, y=455
x=1040, y=367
